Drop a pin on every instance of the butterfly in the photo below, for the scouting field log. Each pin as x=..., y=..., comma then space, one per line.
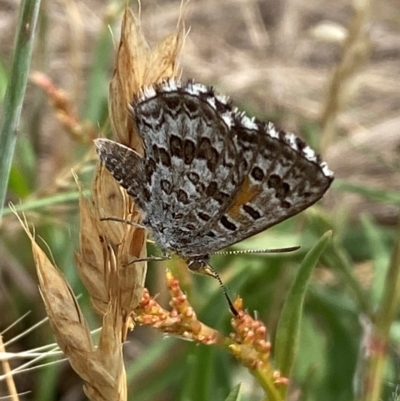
x=210, y=175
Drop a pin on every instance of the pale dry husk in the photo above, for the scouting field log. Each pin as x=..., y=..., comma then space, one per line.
x=136, y=66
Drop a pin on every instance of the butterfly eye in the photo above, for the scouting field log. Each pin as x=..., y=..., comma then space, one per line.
x=197, y=265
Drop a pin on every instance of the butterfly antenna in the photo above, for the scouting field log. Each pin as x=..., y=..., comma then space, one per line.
x=257, y=251
x=212, y=272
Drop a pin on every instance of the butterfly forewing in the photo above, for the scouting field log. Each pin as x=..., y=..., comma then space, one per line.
x=190, y=162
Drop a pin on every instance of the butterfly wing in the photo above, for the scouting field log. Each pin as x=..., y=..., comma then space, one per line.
x=190, y=159
x=284, y=178
x=126, y=166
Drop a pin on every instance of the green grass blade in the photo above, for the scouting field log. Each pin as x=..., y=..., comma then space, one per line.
x=235, y=394
x=288, y=327
x=39, y=204
x=16, y=90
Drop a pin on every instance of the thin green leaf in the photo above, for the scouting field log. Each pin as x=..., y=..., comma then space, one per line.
x=44, y=202
x=3, y=81
x=288, y=327
x=235, y=394
x=16, y=90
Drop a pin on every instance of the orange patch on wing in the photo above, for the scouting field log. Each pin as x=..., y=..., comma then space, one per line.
x=246, y=194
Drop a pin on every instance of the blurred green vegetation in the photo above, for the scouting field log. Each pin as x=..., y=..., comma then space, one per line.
x=351, y=299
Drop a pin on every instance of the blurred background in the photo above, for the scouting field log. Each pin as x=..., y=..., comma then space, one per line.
x=328, y=71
